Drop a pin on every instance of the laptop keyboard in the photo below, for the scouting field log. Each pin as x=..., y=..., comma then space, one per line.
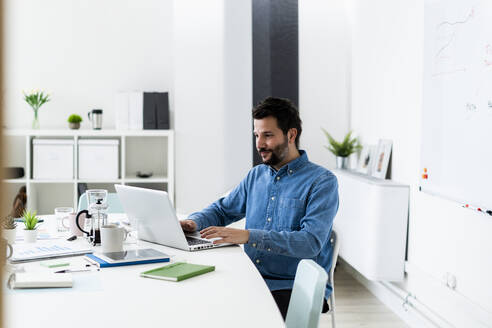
x=194, y=241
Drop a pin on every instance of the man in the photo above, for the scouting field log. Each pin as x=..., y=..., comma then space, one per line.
x=289, y=204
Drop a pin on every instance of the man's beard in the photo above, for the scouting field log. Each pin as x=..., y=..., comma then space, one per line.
x=278, y=154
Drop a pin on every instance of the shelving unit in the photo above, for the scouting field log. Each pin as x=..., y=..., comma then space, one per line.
x=144, y=150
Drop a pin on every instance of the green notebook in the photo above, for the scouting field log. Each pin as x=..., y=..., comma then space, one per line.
x=177, y=271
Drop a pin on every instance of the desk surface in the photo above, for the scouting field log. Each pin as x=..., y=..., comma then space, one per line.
x=234, y=295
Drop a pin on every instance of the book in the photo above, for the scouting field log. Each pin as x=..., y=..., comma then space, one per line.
x=122, y=110
x=47, y=250
x=149, y=111
x=177, y=271
x=135, y=116
x=40, y=280
x=103, y=261
x=162, y=109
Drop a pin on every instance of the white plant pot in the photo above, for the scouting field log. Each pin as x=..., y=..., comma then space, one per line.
x=30, y=236
x=9, y=235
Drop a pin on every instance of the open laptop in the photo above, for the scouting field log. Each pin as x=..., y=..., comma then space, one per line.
x=157, y=220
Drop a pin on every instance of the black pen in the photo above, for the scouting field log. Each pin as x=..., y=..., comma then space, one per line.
x=68, y=270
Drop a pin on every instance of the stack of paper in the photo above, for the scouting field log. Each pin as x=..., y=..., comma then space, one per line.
x=46, y=250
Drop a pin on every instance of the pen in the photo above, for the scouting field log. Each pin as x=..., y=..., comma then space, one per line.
x=68, y=270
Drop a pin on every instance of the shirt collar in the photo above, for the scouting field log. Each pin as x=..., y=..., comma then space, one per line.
x=292, y=166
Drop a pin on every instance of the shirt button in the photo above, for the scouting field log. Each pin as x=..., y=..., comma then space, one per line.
x=269, y=249
x=273, y=198
x=278, y=178
x=254, y=244
x=257, y=261
x=269, y=219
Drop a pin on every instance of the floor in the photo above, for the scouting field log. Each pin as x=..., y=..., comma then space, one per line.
x=357, y=307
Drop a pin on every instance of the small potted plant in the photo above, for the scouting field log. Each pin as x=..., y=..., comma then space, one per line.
x=36, y=99
x=342, y=150
x=74, y=121
x=9, y=229
x=30, y=222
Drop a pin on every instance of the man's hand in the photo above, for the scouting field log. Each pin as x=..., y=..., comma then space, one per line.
x=188, y=225
x=228, y=235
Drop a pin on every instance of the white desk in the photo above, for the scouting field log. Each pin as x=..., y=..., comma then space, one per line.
x=234, y=295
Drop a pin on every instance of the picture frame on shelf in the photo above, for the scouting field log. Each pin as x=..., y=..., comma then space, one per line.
x=366, y=159
x=382, y=158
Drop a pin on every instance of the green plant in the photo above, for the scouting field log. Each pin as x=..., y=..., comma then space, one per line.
x=36, y=99
x=30, y=220
x=9, y=223
x=345, y=148
x=74, y=118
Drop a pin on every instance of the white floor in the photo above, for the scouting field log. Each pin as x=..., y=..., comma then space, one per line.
x=357, y=307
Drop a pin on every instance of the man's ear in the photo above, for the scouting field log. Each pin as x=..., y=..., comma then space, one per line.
x=291, y=135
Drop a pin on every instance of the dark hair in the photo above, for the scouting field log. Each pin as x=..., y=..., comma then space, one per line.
x=284, y=111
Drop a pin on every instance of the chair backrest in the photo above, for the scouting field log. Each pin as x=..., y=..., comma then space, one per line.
x=307, y=295
x=335, y=245
x=113, y=202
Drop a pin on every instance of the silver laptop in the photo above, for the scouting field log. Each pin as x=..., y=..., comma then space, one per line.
x=157, y=220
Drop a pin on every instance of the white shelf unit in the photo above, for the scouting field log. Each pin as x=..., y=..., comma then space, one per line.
x=145, y=150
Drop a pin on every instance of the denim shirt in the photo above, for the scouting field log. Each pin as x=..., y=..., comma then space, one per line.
x=289, y=214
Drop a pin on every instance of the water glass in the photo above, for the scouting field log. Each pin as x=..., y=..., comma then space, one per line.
x=132, y=237
x=62, y=213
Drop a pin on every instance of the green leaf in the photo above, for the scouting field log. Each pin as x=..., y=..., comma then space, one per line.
x=345, y=148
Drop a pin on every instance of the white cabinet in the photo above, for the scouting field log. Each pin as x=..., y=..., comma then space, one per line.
x=371, y=225
x=118, y=154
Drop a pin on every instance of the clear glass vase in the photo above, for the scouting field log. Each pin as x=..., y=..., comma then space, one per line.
x=35, y=121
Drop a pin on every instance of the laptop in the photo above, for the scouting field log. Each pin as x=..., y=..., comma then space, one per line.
x=157, y=220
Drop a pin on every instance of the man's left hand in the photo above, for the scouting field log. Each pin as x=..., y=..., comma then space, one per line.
x=228, y=235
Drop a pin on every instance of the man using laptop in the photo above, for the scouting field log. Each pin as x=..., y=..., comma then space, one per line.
x=289, y=204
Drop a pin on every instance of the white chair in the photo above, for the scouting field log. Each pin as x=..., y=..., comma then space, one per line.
x=307, y=296
x=335, y=244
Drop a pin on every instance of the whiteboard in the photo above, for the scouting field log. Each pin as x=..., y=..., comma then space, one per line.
x=457, y=101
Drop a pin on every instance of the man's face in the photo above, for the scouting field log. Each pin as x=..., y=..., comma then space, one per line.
x=271, y=143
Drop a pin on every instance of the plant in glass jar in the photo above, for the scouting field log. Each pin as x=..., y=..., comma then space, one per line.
x=36, y=99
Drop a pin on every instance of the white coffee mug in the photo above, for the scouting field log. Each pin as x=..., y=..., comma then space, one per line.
x=112, y=238
x=72, y=226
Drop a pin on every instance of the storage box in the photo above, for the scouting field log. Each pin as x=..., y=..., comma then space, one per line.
x=98, y=159
x=52, y=159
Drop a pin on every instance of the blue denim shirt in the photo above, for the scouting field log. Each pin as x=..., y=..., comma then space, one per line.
x=289, y=214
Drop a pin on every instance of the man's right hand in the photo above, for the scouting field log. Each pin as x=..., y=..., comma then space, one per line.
x=188, y=225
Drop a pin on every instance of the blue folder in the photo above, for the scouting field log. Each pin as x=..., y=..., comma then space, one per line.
x=104, y=264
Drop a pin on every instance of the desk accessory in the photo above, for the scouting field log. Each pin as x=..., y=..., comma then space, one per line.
x=177, y=271
x=39, y=280
x=47, y=250
x=131, y=257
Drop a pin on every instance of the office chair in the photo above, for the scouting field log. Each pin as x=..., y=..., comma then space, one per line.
x=335, y=244
x=307, y=295
x=114, y=204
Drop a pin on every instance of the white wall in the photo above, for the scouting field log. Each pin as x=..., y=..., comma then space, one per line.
x=324, y=63
x=387, y=50
x=82, y=52
x=212, y=98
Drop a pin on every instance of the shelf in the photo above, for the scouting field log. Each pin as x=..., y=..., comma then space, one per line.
x=87, y=133
x=18, y=180
x=98, y=181
x=152, y=179
x=51, y=181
